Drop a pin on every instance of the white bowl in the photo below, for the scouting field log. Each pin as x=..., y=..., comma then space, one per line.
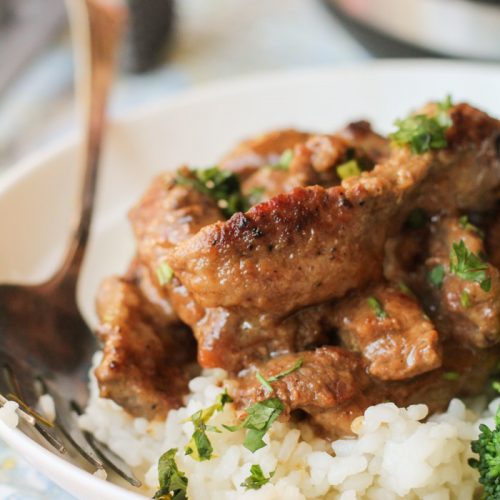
x=196, y=128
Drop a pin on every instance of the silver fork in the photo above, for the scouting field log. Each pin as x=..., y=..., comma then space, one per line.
x=45, y=344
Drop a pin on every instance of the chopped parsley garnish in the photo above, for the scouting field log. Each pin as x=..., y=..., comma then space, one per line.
x=255, y=195
x=469, y=266
x=451, y=376
x=465, y=224
x=405, y=289
x=173, y=482
x=348, y=169
x=266, y=382
x=292, y=369
x=417, y=218
x=436, y=275
x=164, y=273
x=422, y=132
x=465, y=299
x=377, y=307
x=221, y=185
x=199, y=446
x=284, y=161
x=260, y=417
x=256, y=479
x=496, y=385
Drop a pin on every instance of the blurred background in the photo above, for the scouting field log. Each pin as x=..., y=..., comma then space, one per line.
x=173, y=45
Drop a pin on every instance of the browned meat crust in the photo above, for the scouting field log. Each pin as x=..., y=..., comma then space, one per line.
x=145, y=367
x=265, y=149
x=167, y=214
x=475, y=319
x=328, y=377
x=398, y=340
x=315, y=159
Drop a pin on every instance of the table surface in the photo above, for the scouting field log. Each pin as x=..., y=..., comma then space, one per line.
x=214, y=40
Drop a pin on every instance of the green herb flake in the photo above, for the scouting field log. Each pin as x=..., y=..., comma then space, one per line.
x=469, y=266
x=377, y=307
x=173, y=482
x=223, y=186
x=232, y=428
x=256, y=479
x=451, y=376
x=164, y=273
x=417, y=218
x=256, y=194
x=465, y=299
x=436, y=276
x=405, y=289
x=496, y=385
x=423, y=133
x=284, y=161
x=298, y=364
x=348, y=169
x=199, y=446
x=266, y=382
x=465, y=224
x=260, y=417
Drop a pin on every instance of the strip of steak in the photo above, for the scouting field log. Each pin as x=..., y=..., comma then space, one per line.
x=147, y=360
x=265, y=149
x=389, y=327
x=460, y=307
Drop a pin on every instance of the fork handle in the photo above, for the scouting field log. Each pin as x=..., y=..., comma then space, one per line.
x=97, y=26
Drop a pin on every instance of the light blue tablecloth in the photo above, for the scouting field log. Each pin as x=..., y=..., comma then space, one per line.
x=215, y=39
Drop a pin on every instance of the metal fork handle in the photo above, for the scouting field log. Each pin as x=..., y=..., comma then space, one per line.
x=97, y=26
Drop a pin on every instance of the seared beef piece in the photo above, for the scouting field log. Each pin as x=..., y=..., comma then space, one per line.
x=404, y=254
x=268, y=182
x=148, y=285
x=330, y=377
x=147, y=359
x=361, y=135
x=315, y=244
x=315, y=160
x=458, y=306
x=167, y=214
x=265, y=149
x=297, y=249
x=332, y=386
x=233, y=341
x=390, y=329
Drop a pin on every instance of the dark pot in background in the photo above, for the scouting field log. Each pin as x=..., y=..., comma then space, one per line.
x=148, y=34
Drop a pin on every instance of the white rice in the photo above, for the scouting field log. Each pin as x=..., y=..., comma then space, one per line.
x=47, y=407
x=395, y=455
x=8, y=414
